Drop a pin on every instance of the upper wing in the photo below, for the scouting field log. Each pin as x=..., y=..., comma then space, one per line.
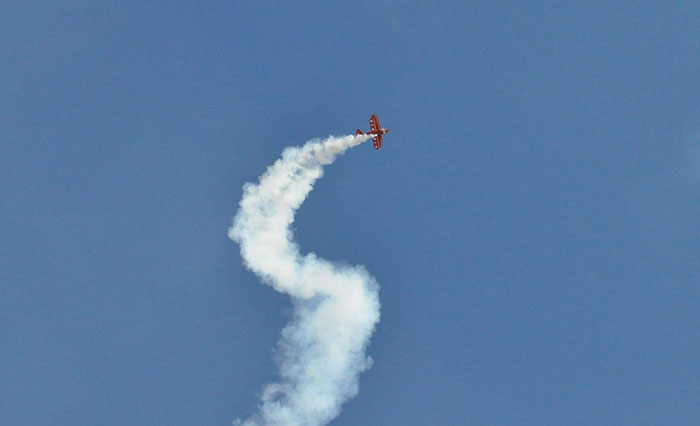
x=377, y=141
x=373, y=123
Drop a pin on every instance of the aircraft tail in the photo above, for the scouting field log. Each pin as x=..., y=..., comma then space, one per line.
x=359, y=132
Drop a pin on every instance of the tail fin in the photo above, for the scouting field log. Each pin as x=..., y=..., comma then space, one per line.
x=359, y=132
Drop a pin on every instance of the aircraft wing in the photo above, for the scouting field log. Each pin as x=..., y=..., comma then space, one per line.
x=377, y=141
x=373, y=123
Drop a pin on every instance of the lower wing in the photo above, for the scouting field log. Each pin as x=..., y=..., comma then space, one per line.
x=377, y=141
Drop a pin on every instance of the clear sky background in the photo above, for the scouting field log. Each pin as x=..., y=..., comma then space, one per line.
x=533, y=219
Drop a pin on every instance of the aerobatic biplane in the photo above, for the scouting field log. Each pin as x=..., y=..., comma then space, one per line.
x=374, y=129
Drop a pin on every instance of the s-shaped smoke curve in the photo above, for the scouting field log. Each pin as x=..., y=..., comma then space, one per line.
x=336, y=307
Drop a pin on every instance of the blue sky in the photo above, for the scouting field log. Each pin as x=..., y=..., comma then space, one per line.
x=532, y=219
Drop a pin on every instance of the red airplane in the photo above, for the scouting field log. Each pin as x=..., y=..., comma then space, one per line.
x=374, y=129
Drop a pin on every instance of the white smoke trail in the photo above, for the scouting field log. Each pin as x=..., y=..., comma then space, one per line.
x=336, y=306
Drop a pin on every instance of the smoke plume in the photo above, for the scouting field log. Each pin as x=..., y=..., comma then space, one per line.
x=336, y=307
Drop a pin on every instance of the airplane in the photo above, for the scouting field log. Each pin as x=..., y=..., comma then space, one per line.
x=374, y=129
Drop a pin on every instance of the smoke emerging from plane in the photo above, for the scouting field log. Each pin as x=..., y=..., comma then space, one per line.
x=336, y=307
